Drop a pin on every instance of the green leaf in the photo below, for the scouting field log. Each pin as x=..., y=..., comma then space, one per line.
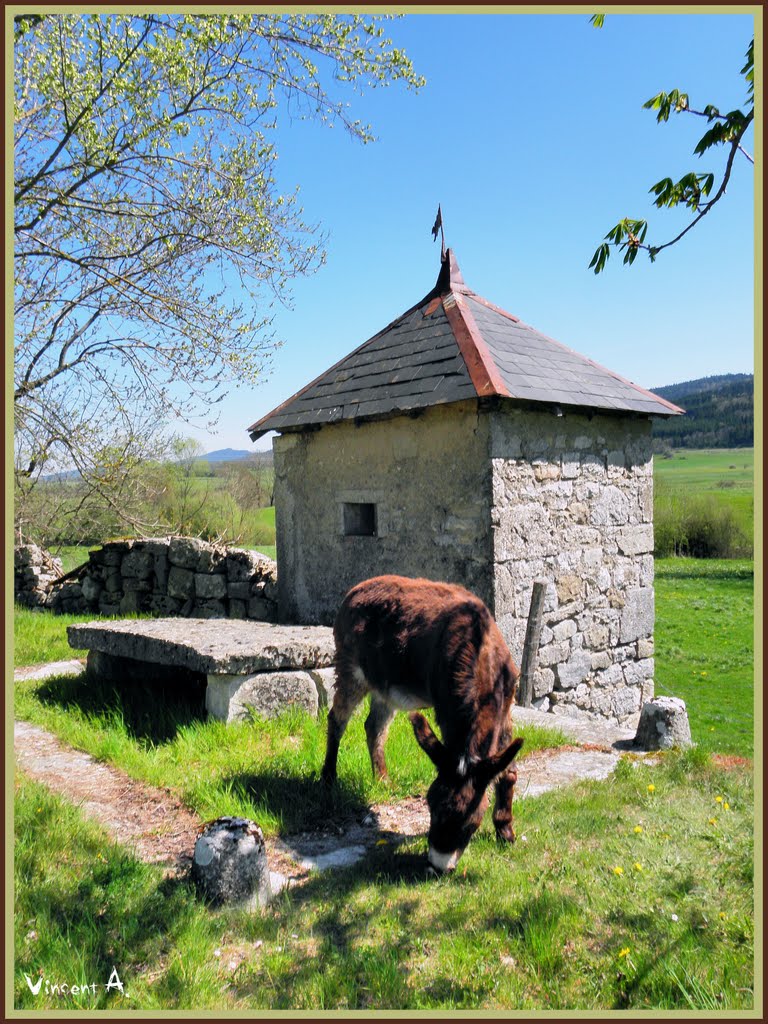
x=600, y=258
x=597, y=20
x=749, y=70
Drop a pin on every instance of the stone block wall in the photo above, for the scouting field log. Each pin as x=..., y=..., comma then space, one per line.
x=171, y=576
x=34, y=572
x=573, y=505
x=429, y=480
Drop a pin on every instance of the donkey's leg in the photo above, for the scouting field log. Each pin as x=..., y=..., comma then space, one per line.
x=504, y=786
x=376, y=727
x=351, y=687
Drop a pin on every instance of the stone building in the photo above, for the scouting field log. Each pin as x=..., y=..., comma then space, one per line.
x=461, y=444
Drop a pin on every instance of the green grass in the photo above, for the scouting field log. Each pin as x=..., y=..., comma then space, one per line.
x=261, y=769
x=40, y=637
x=71, y=555
x=725, y=474
x=548, y=924
x=705, y=647
x=707, y=469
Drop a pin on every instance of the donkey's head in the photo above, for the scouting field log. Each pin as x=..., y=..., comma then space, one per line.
x=457, y=798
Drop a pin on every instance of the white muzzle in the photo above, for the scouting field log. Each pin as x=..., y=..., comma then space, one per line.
x=443, y=861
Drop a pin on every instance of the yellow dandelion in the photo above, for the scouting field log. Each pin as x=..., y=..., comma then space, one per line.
x=618, y=870
x=651, y=788
x=713, y=821
x=718, y=799
x=721, y=915
x=624, y=952
x=726, y=806
x=638, y=829
x=637, y=866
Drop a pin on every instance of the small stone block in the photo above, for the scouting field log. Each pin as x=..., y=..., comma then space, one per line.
x=663, y=724
x=229, y=865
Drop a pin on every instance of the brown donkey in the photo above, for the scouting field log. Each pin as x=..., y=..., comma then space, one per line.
x=414, y=643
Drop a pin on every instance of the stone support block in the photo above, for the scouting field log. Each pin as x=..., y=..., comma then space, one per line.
x=233, y=697
x=325, y=681
x=663, y=724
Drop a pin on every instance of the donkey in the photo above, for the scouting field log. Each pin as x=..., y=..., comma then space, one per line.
x=414, y=643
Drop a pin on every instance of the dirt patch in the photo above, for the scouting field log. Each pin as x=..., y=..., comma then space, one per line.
x=730, y=761
x=159, y=829
x=149, y=820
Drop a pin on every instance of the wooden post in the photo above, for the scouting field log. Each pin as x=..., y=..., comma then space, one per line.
x=531, y=646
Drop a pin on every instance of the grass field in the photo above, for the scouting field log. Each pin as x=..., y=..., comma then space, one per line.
x=705, y=647
x=725, y=474
x=262, y=770
x=629, y=894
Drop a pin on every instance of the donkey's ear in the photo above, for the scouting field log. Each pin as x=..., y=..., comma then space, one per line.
x=493, y=766
x=427, y=740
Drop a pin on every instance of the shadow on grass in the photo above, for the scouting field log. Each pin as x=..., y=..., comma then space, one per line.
x=356, y=959
x=109, y=912
x=301, y=802
x=152, y=710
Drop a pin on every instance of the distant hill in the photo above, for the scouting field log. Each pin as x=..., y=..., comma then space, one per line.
x=719, y=413
x=226, y=455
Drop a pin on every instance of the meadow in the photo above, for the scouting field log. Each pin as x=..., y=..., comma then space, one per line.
x=630, y=894
x=704, y=503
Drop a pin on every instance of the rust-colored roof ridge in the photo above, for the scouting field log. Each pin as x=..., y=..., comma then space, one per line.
x=480, y=364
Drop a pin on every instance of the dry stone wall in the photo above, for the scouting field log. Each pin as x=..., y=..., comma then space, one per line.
x=34, y=572
x=172, y=576
x=573, y=505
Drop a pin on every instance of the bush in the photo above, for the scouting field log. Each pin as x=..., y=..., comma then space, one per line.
x=697, y=526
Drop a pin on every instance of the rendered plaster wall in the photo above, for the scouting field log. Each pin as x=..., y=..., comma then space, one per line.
x=428, y=476
x=573, y=505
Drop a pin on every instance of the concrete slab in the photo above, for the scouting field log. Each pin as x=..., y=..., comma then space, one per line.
x=210, y=646
x=581, y=728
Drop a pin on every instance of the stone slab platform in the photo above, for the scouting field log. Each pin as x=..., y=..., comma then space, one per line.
x=248, y=666
x=211, y=646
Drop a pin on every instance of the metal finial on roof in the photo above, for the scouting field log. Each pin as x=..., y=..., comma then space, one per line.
x=438, y=226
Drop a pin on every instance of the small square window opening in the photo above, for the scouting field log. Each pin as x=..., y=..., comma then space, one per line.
x=359, y=519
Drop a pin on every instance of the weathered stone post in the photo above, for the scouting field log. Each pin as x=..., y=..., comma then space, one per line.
x=230, y=864
x=531, y=646
x=663, y=724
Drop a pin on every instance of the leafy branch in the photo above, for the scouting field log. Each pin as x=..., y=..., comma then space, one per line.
x=692, y=190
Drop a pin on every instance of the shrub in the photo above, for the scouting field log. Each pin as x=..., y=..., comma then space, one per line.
x=697, y=526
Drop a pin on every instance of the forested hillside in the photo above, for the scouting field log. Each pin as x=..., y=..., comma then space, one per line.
x=719, y=413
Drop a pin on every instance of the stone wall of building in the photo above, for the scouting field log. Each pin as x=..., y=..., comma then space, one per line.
x=573, y=505
x=171, y=576
x=429, y=479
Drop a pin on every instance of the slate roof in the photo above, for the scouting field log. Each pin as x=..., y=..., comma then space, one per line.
x=450, y=346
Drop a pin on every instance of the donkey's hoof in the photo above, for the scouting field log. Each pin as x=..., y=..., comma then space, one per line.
x=505, y=834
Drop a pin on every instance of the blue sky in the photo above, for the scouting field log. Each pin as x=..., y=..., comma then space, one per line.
x=531, y=134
